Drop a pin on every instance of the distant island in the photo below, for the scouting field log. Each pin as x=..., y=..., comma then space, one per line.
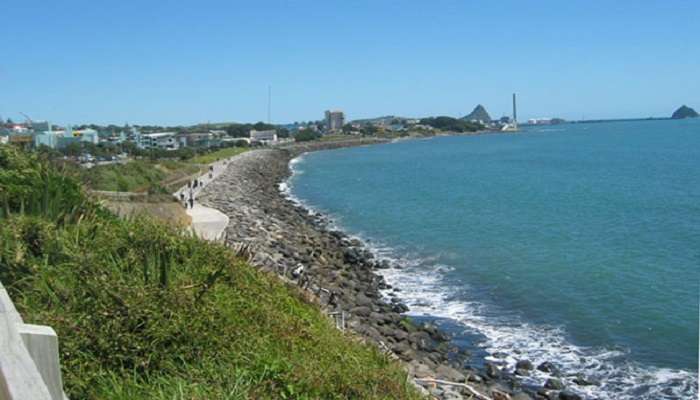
x=684, y=112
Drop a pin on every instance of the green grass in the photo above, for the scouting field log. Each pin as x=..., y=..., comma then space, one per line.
x=145, y=311
x=135, y=176
x=218, y=155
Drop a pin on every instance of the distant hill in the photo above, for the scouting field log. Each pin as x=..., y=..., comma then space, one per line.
x=684, y=112
x=478, y=114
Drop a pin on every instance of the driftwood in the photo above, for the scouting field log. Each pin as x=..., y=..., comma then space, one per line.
x=470, y=389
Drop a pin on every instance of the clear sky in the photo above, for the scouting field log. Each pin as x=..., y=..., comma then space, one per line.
x=169, y=62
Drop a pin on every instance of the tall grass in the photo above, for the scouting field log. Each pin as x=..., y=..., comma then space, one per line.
x=146, y=311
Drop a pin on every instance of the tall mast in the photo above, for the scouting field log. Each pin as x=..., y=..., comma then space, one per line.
x=515, y=112
x=269, y=103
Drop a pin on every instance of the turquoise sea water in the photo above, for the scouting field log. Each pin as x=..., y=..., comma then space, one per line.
x=577, y=243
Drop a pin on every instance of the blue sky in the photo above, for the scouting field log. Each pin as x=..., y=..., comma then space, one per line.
x=185, y=62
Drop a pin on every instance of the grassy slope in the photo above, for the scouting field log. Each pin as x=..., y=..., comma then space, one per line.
x=145, y=312
x=219, y=154
x=135, y=176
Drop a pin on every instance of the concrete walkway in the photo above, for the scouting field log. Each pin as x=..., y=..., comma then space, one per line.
x=207, y=223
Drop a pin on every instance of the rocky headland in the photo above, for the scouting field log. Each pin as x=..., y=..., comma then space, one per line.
x=684, y=112
x=343, y=277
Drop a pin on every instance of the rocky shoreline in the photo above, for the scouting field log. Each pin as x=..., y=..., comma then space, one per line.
x=341, y=275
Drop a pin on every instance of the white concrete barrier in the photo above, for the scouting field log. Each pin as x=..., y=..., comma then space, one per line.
x=29, y=365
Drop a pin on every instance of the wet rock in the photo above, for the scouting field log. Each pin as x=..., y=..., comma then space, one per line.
x=548, y=394
x=492, y=370
x=568, y=395
x=548, y=367
x=554, y=383
x=524, y=365
x=583, y=381
x=521, y=396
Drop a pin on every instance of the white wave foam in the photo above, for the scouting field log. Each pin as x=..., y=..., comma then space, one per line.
x=423, y=288
x=426, y=293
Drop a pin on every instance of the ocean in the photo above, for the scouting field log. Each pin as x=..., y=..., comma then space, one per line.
x=577, y=244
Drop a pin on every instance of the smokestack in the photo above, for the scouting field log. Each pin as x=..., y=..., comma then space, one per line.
x=515, y=110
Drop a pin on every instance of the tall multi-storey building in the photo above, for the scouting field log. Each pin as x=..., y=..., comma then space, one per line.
x=334, y=120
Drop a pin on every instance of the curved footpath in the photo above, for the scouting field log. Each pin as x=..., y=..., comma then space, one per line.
x=207, y=223
x=343, y=277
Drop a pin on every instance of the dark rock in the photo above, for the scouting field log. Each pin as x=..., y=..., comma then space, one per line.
x=400, y=334
x=399, y=308
x=361, y=311
x=521, y=396
x=450, y=374
x=568, y=395
x=548, y=367
x=554, y=383
x=492, y=370
x=523, y=364
x=362, y=300
x=583, y=381
x=548, y=394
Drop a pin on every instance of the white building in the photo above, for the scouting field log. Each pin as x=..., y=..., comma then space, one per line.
x=263, y=137
x=334, y=120
x=61, y=139
x=158, y=140
x=87, y=135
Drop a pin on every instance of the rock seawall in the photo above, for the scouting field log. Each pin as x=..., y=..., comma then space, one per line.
x=289, y=241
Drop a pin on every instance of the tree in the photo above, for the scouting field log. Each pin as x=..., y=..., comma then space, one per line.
x=306, y=135
x=73, y=149
x=283, y=132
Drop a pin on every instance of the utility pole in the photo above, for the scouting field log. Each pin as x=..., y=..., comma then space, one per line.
x=269, y=104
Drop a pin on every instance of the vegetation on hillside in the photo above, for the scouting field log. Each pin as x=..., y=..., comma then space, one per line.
x=219, y=155
x=136, y=176
x=306, y=135
x=145, y=311
x=451, y=124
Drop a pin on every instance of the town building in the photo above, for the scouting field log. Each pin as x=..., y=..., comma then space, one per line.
x=158, y=140
x=334, y=120
x=63, y=138
x=201, y=139
x=263, y=137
